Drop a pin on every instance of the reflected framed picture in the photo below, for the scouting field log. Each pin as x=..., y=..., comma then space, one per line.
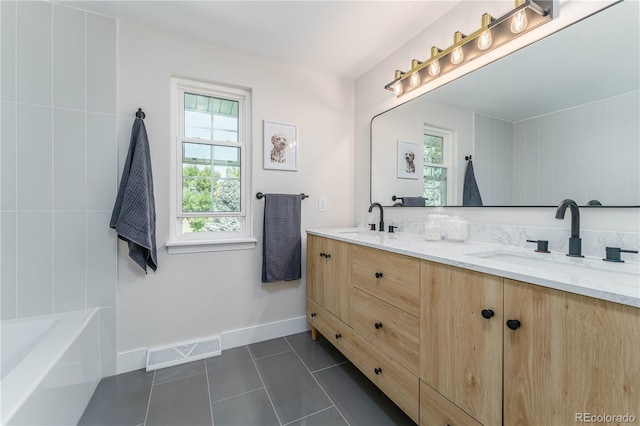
x=280, y=146
x=408, y=159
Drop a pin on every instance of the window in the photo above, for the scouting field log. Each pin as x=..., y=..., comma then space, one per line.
x=210, y=200
x=437, y=171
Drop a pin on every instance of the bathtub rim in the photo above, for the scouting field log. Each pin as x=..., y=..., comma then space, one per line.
x=27, y=375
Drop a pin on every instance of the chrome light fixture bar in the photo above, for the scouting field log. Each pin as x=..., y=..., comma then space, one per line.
x=526, y=15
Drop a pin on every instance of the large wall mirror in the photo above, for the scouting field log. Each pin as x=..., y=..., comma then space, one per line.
x=557, y=119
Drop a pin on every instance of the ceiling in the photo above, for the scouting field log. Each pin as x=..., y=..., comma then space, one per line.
x=342, y=38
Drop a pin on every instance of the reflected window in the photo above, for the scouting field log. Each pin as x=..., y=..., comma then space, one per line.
x=436, y=166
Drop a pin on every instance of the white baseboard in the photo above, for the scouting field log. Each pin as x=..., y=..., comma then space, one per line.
x=137, y=358
x=262, y=332
x=131, y=360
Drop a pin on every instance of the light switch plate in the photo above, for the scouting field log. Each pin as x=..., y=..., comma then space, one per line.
x=322, y=204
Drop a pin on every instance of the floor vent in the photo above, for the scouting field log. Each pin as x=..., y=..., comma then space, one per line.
x=181, y=354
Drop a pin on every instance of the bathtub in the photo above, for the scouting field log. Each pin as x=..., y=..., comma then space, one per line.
x=50, y=367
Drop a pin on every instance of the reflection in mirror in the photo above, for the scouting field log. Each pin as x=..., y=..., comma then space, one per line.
x=557, y=119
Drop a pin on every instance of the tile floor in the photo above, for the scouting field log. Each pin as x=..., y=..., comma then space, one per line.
x=286, y=381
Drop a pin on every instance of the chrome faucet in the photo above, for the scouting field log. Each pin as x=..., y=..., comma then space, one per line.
x=381, y=228
x=575, y=243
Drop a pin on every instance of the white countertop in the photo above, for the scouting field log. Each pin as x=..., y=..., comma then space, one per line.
x=619, y=286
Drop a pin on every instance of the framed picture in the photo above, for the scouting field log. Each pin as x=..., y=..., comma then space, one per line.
x=280, y=146
x=408, y=159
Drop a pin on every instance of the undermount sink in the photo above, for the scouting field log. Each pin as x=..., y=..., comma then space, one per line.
x=591, y=268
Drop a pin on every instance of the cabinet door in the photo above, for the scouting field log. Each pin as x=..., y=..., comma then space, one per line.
x=336, y=278
x=461, y=350
x=571, y=356
x=315, y=269
x=328, y=275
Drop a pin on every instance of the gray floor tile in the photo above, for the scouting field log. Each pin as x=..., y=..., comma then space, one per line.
x=232, y=373
x=179, y=372
x=119, y=400
x=315, y=355
x=329, y=417
x=269, y=347
x=183, y=402
x=359, y=400
x=292, y=389
x=249, y=409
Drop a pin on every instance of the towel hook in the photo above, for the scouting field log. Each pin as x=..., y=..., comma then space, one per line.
x=140, y=113
x=467, y=157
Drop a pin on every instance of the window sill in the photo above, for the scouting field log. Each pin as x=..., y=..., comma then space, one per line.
x=201, y=246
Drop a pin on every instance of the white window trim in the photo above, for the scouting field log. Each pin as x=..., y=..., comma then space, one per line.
x=449, y=153
x=207, y=242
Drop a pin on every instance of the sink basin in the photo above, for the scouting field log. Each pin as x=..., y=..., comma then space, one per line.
x=590, y=268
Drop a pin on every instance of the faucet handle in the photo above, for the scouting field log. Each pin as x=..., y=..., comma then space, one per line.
x=543, y=245
x=392, y=228
x=372, y=226
x=613, y=254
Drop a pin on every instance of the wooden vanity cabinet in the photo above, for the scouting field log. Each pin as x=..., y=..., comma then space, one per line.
x=451, y=346
x=461, y=340
x=569, y=356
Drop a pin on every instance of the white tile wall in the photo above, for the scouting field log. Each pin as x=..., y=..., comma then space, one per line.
x=34, y=52
x=68, y=58
x=69, y=159
x=101, y=55
x=58, y=159
x=586, y=144
x=34, y=252
x=493, y=160
x=8, y=155
x=8, y=12
x=70, y=260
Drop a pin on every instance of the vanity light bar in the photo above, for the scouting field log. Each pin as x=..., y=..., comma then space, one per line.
x=525, y=16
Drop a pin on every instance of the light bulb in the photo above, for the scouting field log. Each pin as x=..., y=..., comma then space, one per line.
x=457, y=56
x=485, y=40
x=397, y=89
x=434, y=68
x=414, y=81
x=519, y=22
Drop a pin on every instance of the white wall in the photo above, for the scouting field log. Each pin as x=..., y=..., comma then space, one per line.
x=58, y=160
x=493, y=160
x=197, y=295
x=371, y=99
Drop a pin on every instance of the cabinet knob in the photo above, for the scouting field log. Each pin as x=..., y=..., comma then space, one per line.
x=338, y=335
x=378, y=274
x=513, y=324
x=378, y=325
x=327, y=255
x=323, y=254
x=377, y=370
x=487, y=313
x=313, y=314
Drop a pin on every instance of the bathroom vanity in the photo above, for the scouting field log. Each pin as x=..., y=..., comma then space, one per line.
x=456, y=334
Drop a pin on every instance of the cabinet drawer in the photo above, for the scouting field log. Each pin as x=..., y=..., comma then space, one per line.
x=437, y=410
x=395, y=381
x=389, y=328
x=388, y=276
x=334, y=330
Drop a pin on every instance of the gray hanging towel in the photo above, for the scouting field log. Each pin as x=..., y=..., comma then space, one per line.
x=281, y=239
x=413, y=201
x=470, y=192
x=134, y=212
